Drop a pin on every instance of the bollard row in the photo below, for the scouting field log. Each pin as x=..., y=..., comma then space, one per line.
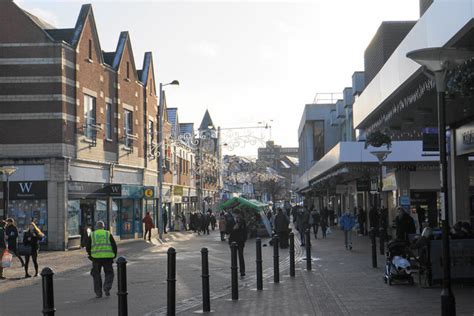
x=122, y=293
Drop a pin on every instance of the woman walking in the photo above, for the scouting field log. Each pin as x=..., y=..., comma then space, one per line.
x=222, y=225
x=31, y=238
x=12, y=236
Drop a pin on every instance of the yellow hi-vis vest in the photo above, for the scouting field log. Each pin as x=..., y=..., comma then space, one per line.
x=101, y=248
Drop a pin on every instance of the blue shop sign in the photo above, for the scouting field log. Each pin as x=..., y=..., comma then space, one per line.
x=132, y=191
x=404, y=200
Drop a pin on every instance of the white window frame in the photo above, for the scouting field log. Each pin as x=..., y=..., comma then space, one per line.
x=108, y=121
x=128, y=128
x=90, y=116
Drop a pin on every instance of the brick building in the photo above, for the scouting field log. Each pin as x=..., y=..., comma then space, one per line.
x=80, y=126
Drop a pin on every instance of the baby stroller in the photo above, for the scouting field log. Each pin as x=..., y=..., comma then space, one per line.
x=398, y=266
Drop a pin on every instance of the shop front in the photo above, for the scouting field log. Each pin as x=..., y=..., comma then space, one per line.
x=129, y=211
x=29, y=203
x=88, y=203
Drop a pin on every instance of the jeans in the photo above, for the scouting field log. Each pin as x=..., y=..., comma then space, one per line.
x=315, y=230
x=348, y=238
x=97, y=265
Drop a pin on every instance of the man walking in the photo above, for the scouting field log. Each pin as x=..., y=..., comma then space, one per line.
x=347, y=223
x=102, y=249
x=11, y=233
x=238, y=234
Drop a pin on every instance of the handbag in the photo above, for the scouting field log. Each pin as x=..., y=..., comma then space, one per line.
x=6, y=259
x=24, y=250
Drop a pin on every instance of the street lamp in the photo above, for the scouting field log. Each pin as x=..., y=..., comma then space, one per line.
x=381, y=155
x=436, y=62
x=7, y=171
x=160, y=157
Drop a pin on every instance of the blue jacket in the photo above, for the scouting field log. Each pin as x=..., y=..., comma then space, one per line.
x=347, y=221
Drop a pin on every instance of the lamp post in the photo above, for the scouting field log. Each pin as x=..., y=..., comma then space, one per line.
x=7, y=171
x=160, y=156
x=381, y=155
x=436, y=62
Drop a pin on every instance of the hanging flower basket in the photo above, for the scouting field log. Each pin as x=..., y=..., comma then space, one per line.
x=460, y=80
x=378, y=139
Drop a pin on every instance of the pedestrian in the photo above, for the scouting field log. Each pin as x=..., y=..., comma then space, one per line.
x=31, y=239
x=324, y=227
x=281, y=228
x=404, y=224
x=302, y=223
x=165, y=220
x=192, y=222
x=149, y=225
x=316, y=221
x=374, y=220
x=238, y=234
x=361, y=219
x=11, y=232
x=183, y=221
x=102, y=250
x=222, y=225
x=332, y=217
x=347, y=222
x=213, y=221
x=205, y=223
x=199, y=223
x=3, y=246
x=421, y=217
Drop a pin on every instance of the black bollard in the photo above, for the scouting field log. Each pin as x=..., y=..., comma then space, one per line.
x=206, y=298
x=308, y=249
x=382, y=241
x=292, y=254
x=259, y=264
x=171, y=296
x=374, y=247
x=233, y=267
x=48, y=292
x=276, y=259
x=122, y=286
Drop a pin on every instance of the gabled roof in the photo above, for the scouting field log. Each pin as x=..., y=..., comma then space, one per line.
x=124, y=41
x=38, y=21
x=86, y=11
x=206, y=122
x=143, y=74
x=61, y=35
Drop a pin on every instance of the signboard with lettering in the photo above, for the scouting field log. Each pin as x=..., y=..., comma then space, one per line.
x=185, y=199
x=465, y=139
x=89, y=189
x=194, y=199
x=28, y=190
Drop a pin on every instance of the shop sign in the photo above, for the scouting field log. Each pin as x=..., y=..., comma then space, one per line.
x=149, y=192
x=87, y=189
x=363, y=185
x=389, y=182
x=28, y=190
x=185, y=199
x=404, y=200
x=194, y=199
x=465, y=139
x=132, y=191
x=178, y=190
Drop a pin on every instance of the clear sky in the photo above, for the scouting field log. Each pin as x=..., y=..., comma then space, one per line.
x=244, y=61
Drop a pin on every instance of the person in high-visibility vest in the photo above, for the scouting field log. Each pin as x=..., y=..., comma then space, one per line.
x=102, y=250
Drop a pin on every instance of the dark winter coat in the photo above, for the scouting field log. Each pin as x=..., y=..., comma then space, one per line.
x=12, y=236
x=239, y=232
x=405, y=225
x=31, y=239
x=281, y=223
x=3, y=244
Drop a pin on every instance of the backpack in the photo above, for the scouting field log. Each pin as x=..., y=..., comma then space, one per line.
x=229, y=223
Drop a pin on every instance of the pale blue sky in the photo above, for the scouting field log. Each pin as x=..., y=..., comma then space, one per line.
x=245, y=61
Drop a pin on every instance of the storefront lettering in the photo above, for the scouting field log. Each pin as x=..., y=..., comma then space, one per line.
x=468, y=137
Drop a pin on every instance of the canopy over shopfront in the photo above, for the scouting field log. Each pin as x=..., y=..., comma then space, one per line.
x=247, y=206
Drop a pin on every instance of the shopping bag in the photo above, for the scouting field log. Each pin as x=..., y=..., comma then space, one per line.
x=328, y=231
x=6, y=259
x=24, y=250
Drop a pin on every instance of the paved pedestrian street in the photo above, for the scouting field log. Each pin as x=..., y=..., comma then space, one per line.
x=341, y=282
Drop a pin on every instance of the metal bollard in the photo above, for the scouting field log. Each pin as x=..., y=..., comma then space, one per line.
x=206, y=298
x=308, y=249
x=233, y=267
x=48, y=292
x=276, y=259
x=382, y=241
x=171, y=294
x=374, y=247
x=122, y=286
x=259, y=264
x=292, y=254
